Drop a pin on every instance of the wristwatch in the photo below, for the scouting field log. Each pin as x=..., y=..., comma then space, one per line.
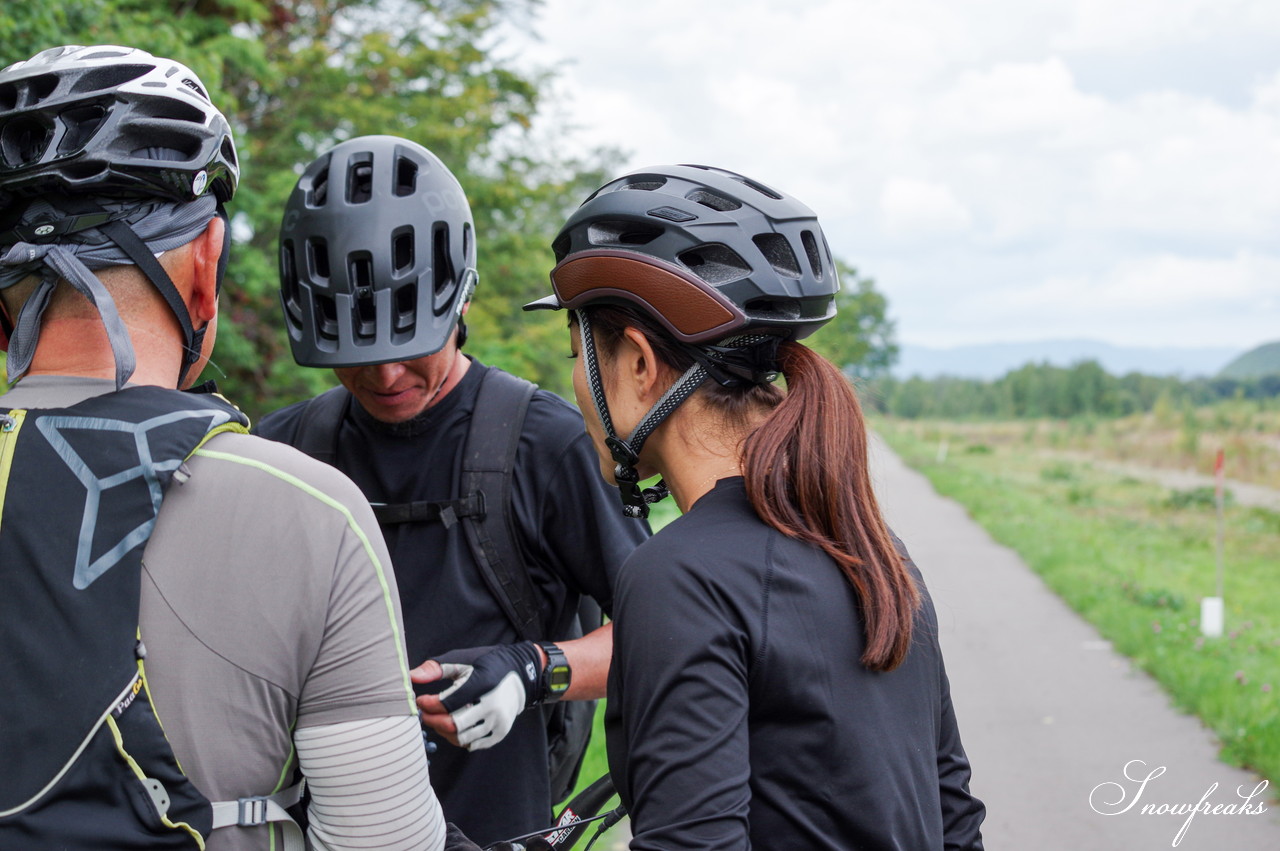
x=556, y=676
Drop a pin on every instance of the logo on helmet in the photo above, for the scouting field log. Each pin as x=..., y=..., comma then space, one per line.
x=442, y=201
x=200, y=182
x=44, y=230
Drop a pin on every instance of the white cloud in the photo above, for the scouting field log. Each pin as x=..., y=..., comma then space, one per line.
x=920, y=208
x=984, y=161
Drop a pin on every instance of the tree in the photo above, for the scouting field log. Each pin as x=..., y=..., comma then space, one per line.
x=860, y=339
x=295, y=77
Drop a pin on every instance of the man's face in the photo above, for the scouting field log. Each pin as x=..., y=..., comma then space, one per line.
x=397, y=392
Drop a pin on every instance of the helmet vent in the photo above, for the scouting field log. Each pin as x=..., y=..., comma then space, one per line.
x=406, y=176
x=406, y=307
x=318, y=194
x=40, y=88
x=229, y=151
x=765, y=308
x=644, y=185
x=560, y=248
x=102, y=54
x=289, y=284
x=108, y=77
x=402, y=250
x=777, y=250
x=326, y=317
x=715, y=263
x=80, y=123
x=160, y=145
x=441, y=267
x=23, y=141
x=8, y=97
x=360, y=180
x=759, y=187
x=713, y=200
x=172, y=110
x=318, y=259
x=622, y=233
x=811, y=250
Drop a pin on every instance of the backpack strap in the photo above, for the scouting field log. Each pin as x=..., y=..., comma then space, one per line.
x=488, y=464
x=264, y=809
x=448, y=512
x=485, y=490
x=317, y=432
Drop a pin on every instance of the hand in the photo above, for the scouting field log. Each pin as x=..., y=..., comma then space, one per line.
x=491, y=687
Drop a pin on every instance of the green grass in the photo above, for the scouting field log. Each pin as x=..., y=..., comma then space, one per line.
x=1135, y=560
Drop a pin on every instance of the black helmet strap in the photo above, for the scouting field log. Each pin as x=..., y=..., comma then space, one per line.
x=130, y=244
x=626, y=452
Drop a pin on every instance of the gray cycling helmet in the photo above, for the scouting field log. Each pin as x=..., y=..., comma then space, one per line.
x=729, y=266
x=377, y=255
x=708, y=252
x=111, y=121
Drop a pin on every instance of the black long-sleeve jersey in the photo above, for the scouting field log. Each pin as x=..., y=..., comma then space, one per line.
x=739, y=715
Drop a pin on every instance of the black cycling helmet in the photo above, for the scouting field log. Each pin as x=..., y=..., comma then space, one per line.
x=708, y=252
x=111, y=121
x=377, y=255
x=729, y=266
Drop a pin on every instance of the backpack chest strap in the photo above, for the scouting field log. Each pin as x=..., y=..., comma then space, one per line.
x=448, y=511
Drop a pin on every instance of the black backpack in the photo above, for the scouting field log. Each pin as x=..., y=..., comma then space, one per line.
x=482, y=504
x=86, y=764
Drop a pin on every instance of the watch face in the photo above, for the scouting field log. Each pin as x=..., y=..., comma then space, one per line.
x=558, y=681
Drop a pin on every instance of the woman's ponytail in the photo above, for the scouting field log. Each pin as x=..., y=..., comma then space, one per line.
x=806, y=475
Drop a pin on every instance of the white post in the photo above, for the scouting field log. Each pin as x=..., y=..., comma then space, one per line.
x=1211, y=609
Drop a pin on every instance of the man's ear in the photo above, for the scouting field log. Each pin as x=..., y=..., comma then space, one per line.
x=206, y=249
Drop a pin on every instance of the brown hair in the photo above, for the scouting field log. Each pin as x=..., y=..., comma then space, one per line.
x=806, y=474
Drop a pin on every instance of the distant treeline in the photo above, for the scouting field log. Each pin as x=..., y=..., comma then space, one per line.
x=1042, y=390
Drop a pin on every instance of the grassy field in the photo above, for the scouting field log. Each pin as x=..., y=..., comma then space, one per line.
x=1248, y=431
x=1134, y=559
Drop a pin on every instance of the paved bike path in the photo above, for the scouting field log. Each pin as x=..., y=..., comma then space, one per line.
x=1049, y=713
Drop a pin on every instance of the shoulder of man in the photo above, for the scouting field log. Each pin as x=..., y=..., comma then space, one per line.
x=257, y=456
x=552, y=420
x=282, y=424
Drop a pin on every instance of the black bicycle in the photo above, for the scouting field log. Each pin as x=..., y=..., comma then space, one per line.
x=579, y=814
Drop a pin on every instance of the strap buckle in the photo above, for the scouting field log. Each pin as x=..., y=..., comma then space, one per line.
x=252, y=811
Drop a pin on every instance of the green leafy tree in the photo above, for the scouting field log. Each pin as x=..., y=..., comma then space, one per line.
x=860, y=340
x=296, y=77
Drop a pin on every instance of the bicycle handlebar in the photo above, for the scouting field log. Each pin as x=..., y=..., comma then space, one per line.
x=582, y=810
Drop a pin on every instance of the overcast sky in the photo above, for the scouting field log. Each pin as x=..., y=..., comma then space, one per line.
x=1006, y=170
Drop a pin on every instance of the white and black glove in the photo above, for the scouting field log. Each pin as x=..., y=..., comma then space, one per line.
x=491, y=687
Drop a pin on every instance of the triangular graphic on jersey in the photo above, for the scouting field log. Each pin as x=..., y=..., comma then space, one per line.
x=139, y=464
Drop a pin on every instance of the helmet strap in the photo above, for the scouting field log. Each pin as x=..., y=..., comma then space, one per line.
x=226, y=247
x=626, y=452
x=136, y=249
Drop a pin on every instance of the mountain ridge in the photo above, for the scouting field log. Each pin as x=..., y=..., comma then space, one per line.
x=992, y=360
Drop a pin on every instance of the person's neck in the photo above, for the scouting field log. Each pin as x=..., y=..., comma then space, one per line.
x=79, y=347
x=461, y=363
x=692, y=451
